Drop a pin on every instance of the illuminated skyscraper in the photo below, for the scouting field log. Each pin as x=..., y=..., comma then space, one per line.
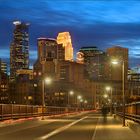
x=19, y=49
x=64, y=38
x=3, y=66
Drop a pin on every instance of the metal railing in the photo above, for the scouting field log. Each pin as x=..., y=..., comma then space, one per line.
x=14, y=111
x=135, y=118
x=132, y=111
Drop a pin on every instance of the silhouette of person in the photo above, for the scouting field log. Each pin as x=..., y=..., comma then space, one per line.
x=104, y=113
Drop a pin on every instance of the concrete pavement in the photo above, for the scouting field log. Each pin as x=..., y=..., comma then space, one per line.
x=87, y=126
x=112, y=129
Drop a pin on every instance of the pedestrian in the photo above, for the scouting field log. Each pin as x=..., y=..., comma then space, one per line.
x=104, y=113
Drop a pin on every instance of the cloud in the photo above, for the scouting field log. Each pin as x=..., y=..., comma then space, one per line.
x=4, y=53
x=98, y=23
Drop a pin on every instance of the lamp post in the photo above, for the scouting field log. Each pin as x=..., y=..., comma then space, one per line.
x=70, y=94
x=110, y=89
x=79, y=97
x=44, y=81
x=123, y=88
x=43, y=99
x=85, y=104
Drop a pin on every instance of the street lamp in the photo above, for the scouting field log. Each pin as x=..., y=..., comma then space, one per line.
x=105, y=95
x=115, y=62
x=71, y=93
x=110, y=89
x=79, y=97
x=44, y=81
x=48, y=80
x=81, y=100
x=85, y=101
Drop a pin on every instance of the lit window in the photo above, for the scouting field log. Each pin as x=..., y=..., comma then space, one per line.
x=39, y=73
x=35, y=85
x=34, y=73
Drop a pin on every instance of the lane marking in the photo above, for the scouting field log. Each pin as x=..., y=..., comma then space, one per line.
x=28, y=127
x=95, y=131
x=60, y=129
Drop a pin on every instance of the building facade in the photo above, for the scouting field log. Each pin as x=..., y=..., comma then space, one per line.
x=94, y=60
x=19, y=49
x=134, y=86
x=48, y=50
x=3, y=66
x=4, y=88
x=64, y=38
x=21, y=90
x=49, y=54
x=119, y=54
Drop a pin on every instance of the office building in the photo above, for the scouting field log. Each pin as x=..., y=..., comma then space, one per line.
x=49, y=54
x=3, y=66
x=119, y=54
x=4, y=87
x=19, y=49
x=64, y=38
x=48, y=49
x=94, y=60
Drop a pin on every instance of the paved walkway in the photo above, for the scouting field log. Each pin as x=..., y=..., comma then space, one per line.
x=111, y=129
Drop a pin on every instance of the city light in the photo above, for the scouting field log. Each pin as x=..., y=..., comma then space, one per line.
x=108, y=88
x=48, y=80
x=115, y=62
x=81, y=100
x=105, y=95
x=17, y=22
x=71, y=92
x=85, y=101
x=79, y=97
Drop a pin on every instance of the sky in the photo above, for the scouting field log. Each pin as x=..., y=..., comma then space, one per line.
x=101, y=23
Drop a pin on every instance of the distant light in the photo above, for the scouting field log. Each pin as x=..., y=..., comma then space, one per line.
x=81, y=100
x=17, y=22
x=115, y=103
x=35, y=85
x=115, y=62
x=85, y=101
x=48, y=80
x=109, y=100
x=105, y=95
x=44, y=38
x=39, y=73
x=79, y=97
x=108, y=88
x=71, y=92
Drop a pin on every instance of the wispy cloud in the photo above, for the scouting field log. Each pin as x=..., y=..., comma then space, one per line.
x=90, y=22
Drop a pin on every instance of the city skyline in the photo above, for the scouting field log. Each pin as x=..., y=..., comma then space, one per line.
x=102, y=24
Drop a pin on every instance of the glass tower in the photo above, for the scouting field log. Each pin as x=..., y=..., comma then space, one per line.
x=19, y=49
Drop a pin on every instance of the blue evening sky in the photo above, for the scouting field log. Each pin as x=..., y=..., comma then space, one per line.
x=101, y=23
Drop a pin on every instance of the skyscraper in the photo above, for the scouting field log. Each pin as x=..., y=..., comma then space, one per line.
x=64, y=38
x=48, y=49
x=3, y=66
x=49, y=54
x=19, y=49
x=94, y=60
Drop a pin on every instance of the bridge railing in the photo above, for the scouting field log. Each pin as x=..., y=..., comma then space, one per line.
x=132, y=111
x=14, y=111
